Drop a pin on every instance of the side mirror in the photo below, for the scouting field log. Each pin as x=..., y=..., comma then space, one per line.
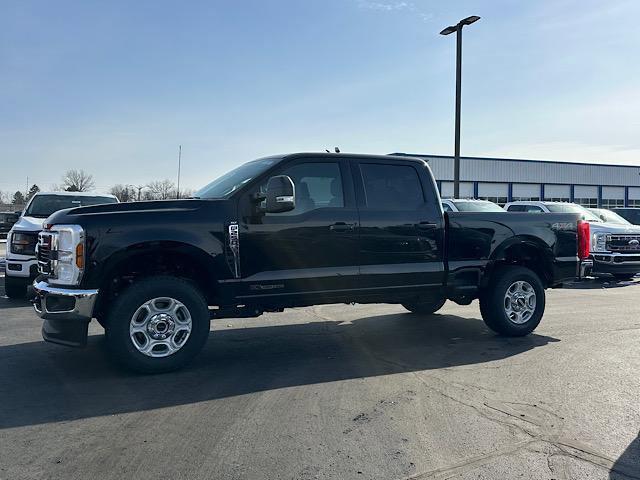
x=281, y=194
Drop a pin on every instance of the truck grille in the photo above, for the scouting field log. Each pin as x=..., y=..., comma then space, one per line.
x=45, y=249
x=623, y=243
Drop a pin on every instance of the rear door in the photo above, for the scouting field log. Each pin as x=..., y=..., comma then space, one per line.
x=401, y=226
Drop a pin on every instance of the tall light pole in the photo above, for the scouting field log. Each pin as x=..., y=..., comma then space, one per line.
x=456, y=159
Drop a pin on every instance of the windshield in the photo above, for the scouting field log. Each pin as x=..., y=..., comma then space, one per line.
x=609, y=216
x=44, y=205
x=478, y=207
x=572, y=208
x=231, y=181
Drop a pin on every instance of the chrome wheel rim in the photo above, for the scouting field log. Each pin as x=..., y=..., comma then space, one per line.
x=160, y=327
x=520, y=302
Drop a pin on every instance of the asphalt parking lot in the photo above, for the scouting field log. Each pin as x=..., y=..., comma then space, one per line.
x=339, y=392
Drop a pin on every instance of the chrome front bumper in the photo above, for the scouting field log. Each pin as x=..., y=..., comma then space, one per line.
x=616, y=258
x=615, y=263
x=66, y=313
x=53, y=303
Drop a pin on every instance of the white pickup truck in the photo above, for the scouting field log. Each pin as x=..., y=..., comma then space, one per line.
x=615, y=247
x=21, y=263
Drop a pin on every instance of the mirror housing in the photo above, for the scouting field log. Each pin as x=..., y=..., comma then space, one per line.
x=281, y=194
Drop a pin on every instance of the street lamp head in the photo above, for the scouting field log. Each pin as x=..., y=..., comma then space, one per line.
x=469, y=20
x=448, y=30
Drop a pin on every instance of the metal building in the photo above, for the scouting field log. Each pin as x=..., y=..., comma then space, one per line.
x=501, y=180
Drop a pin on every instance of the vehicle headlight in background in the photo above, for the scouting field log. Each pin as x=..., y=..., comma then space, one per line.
x=67, y=264
x=599, y=242
x=23, y=243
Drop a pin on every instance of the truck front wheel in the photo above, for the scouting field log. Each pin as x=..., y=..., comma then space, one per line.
x=425, y=307
x=513, y=303
x=158, y=324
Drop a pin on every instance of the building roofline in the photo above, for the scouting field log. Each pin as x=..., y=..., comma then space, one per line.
x=562, y=162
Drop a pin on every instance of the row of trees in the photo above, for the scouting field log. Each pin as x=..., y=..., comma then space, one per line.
x=19, y=198
x=158, y=190
x=81, y=181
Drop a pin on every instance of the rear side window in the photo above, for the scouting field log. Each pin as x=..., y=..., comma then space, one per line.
x=515, y=208
x=533, y=209
x=391, y=187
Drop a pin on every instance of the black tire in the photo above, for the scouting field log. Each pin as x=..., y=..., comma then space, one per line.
x=118, y=319
x=425, y=307
x=15, y=288
x=493, y=301
x=624, y=276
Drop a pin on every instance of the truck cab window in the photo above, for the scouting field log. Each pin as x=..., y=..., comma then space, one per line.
x=318, y=185
x=391, y=187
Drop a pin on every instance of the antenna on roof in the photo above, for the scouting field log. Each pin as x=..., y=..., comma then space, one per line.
x=327, y=150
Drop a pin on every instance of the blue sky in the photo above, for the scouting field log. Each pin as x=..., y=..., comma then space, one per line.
x=114, y=87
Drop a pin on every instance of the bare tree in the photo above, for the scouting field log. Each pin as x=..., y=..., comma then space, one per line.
x=4, y=197
x=77, y=181
x=125, y=193
x=187, y=193
x=161, y=190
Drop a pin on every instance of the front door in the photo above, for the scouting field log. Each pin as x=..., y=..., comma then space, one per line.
x=401, y=226
x=308, y=252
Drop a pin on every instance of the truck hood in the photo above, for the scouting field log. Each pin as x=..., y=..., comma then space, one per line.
x=75, y=215
x=604, y=227
x=28, y=224
x=138, y=214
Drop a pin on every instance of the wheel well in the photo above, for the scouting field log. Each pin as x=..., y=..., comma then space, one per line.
x=528, y=256
x=152, y=263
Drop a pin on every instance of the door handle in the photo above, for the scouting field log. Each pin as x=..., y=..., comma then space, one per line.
x=342, y=227
x=426, y=225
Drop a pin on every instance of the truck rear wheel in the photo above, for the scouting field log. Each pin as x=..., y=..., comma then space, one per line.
x=425, y=307
x=158, y=324
x=15, y=287
x=513, y=303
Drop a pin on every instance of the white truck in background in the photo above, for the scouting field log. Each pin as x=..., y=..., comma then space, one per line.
x=21, y=265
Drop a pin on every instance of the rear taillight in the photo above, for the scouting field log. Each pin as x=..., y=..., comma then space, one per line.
x=583, y=239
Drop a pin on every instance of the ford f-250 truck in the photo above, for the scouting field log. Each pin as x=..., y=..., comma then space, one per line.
x=290, y=231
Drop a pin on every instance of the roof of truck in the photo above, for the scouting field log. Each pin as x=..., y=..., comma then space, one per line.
x=348, y=156
x=77, y=194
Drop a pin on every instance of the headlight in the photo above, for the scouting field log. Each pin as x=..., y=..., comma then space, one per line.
x=599, y=242
x=67, y=263
x=23, y=243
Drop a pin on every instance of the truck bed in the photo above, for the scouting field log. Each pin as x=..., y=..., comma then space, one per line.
x=475, y=240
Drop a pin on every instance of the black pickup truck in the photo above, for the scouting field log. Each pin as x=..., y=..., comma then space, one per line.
x=290, y=231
